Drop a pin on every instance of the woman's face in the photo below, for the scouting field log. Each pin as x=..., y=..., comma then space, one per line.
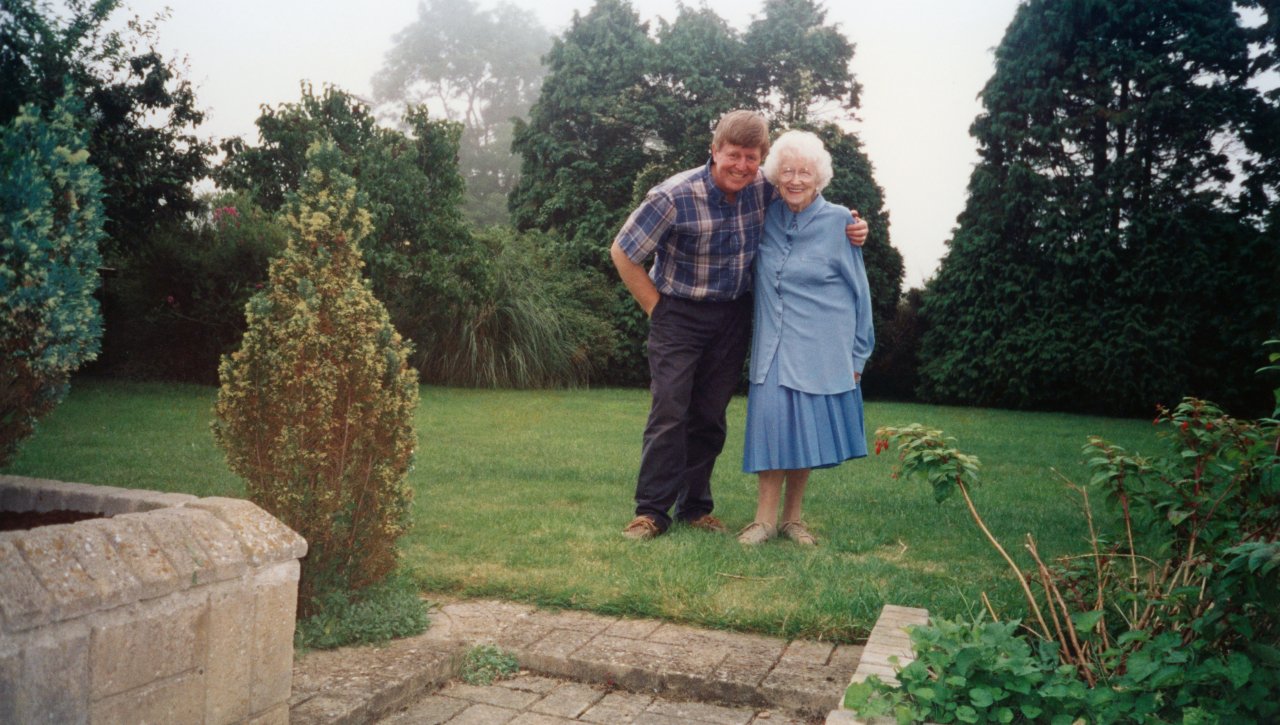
x=797, y=182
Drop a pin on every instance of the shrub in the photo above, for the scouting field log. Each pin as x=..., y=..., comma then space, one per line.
x=51, y=221
x=315, y=409
x=179, y=301
x=1177, y=618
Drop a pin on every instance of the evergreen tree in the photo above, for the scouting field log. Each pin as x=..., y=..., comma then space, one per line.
x=50, y=225
x=799, y=66
x=697, y=75
x=139, y=110
x=420, y=255
x=584, y=143
x=316, y=409
x=1097, y=265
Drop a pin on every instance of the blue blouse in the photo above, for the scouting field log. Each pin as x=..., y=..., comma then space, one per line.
x=812, y=300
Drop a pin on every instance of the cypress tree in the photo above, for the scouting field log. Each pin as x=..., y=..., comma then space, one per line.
x=1098, y=265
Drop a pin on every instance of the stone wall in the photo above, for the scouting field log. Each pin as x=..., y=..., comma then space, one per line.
x=172, y=609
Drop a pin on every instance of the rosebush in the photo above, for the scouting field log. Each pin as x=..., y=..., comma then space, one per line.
x=181, y=297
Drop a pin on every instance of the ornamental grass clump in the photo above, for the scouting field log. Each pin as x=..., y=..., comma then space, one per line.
x=315, y=409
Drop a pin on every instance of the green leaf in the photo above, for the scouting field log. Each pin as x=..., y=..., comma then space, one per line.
x=1239, y=669
x=981, y=697
x=1086, y=621
x=923, y=693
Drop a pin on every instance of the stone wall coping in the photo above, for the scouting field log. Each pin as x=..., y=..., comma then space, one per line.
x=888, y=639
x=149, y=544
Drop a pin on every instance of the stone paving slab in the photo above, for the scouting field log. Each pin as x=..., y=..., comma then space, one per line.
x=591, y=668
x=567, y=702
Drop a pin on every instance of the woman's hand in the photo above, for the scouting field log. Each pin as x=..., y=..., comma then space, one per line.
x=857, y=231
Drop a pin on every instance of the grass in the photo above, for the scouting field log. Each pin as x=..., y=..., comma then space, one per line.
x=523, y=494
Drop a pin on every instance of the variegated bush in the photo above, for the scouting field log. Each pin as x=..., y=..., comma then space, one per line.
x=315, y=410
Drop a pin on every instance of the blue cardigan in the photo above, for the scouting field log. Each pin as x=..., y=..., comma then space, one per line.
x=812, y=301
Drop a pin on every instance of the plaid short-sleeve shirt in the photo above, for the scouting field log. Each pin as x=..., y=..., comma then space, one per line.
x=703, y=244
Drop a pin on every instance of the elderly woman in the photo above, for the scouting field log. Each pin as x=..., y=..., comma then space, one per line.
x=812, y=338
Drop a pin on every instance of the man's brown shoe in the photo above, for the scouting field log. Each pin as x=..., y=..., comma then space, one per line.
x=707, y=522
x=641, y=527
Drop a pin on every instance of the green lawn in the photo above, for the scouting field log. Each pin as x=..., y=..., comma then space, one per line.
x=523, y=494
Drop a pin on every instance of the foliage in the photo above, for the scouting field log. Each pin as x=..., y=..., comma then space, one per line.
x=181, y=299
x=139, y=109
x=798, y=63
x=51, y=221
x=483, y=69
x=391, y=609
x=974, y=671
x=532, y=325
x=583, y=144
x=620, y=111
x=484, y=310
x=895, y=366
x=698, y=73
x=1098, y=263
x=315, y=410
x=1177, y=617
x=486, y=664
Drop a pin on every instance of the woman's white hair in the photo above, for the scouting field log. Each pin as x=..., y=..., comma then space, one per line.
x=801, y=148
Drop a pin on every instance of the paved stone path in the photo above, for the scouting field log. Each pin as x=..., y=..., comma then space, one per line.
x=587, y=668
x=536, y=700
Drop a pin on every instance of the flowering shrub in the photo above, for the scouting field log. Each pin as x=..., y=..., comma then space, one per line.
x=50, y=225
x=1175, y=619
x=315, y=409
x=180, y=300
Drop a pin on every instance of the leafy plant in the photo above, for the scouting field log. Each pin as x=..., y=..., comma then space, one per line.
x=486, y=664
x=377, y=614
x=181, y=299
x=1178, y=617
x=50, y=224
x=315, y=410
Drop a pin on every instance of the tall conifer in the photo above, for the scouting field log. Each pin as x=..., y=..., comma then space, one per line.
x=1098, y=265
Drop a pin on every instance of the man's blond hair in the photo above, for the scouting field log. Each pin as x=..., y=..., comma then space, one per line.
x=742, y=128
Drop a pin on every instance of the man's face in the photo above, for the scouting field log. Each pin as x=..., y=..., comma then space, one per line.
x=733, y=167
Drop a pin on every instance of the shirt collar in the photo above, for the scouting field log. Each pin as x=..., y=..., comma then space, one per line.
x=805, y=216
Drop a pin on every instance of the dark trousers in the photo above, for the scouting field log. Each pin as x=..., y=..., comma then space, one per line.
x=696, y=350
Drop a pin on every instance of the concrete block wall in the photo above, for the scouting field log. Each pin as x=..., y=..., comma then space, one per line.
x=175, y=609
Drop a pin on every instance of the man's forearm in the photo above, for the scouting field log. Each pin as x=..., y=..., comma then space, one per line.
x=635, y=279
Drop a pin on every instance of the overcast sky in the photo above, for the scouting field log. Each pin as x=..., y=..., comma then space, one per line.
x=921, y=64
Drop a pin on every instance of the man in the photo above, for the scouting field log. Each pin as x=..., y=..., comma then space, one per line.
x=703, y=226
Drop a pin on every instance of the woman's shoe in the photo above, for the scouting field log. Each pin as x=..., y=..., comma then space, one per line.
x=799, y=533
x=757, y=532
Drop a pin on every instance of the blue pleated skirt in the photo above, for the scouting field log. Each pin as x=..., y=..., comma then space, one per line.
x=788, y=429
